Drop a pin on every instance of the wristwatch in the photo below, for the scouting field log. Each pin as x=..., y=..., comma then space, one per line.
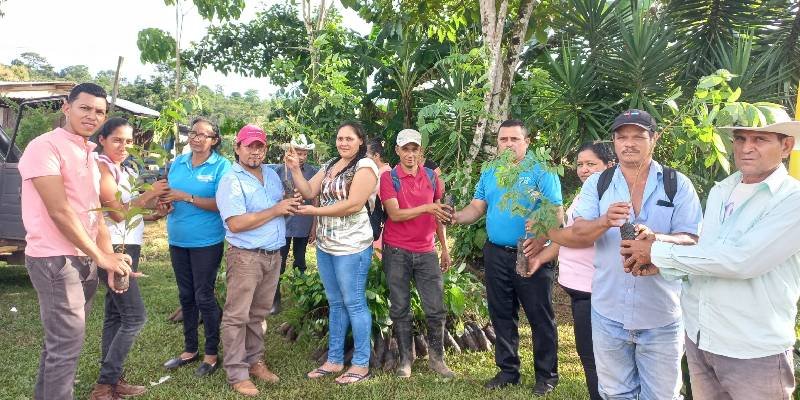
x=191, y=199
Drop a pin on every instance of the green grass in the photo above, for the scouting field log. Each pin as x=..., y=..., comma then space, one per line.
x=21, y=335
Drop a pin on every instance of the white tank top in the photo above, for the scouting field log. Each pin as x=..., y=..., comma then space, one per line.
x=117, y=229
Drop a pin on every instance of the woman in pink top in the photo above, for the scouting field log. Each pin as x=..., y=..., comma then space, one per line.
x=576, y=266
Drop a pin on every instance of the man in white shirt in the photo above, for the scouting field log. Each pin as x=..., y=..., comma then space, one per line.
x=741, y=281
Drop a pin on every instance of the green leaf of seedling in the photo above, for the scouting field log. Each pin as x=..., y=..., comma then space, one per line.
x=735, y=95
x=718, y=144
x=722, y=158
x=480, y=238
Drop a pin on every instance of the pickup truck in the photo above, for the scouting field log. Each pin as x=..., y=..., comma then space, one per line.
x=12, y=232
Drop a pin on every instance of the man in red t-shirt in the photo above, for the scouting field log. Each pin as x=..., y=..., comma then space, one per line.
x=410, y=194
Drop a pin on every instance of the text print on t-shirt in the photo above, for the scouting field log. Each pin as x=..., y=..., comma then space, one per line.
x=205, y=178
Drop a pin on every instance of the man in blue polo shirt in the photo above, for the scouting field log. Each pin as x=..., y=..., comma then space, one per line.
x=250, y=201
x=505, y=289
x=636, y=322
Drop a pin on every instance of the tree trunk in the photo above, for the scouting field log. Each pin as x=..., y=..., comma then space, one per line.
x=501, y=69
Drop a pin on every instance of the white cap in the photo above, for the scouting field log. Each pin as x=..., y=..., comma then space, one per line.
x=407, y=136
x=299, y=142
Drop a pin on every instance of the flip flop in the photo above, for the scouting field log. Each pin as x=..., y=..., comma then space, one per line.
x=321, y=373
x=358, y=377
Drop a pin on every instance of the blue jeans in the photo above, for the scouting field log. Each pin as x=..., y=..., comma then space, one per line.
x=345, y=282
x=637, y=364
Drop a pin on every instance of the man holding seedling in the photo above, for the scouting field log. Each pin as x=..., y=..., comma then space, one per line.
x=251, y=202
x=505, y=289
x=411, y=196
x=67, y=238
x=636, y=323
x=300, y=229
x=740, y=281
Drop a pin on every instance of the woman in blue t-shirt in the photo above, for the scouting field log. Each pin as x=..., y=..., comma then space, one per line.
x=196, y=238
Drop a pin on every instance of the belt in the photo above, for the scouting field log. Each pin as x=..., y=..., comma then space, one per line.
x=259, y=251
x=509, y=249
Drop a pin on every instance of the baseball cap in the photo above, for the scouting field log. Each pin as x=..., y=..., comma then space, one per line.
x=250, y=133
x=407, y=136
x=636, y=117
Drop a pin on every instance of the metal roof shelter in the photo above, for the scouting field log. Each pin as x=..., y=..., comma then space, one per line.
x=20, y=91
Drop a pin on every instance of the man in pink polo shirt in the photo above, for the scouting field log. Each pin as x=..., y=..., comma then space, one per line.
x=66, y=241
x=411, y=197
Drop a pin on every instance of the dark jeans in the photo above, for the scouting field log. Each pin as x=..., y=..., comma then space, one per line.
x=505, y=292
x=196, y=274
x=299, y=253
x=582, y=325
x=124, y=319
x=400, y=267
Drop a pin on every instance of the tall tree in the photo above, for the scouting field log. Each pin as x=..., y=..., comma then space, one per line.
x=156, y=45
x=503, y=49
x=37, y=64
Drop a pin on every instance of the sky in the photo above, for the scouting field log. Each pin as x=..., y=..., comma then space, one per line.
x=95, y=32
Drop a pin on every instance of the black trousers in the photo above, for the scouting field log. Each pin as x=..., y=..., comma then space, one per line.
x=124, y=318
x=400, y=267
x=582, y=325
x=196, y=274
x=298, y=251
x=505, y=292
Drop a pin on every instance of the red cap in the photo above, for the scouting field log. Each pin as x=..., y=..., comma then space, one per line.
x=250, y=133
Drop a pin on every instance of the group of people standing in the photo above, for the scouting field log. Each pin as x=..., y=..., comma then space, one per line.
x=726, y=293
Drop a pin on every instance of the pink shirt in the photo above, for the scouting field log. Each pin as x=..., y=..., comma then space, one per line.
x=575, y=266
x=59, y=153
x=415, y=235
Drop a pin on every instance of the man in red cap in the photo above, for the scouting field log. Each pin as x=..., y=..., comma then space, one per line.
x=250, y=201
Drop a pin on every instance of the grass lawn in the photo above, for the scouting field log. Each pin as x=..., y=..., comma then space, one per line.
x=21, y=335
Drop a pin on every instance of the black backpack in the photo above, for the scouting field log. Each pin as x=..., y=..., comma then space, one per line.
x=670, y=184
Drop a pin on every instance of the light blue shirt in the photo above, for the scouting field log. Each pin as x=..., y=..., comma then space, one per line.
x=502, y=226
x=741, y=282
x=637, y=302
x=189, y=225
x=240, y=192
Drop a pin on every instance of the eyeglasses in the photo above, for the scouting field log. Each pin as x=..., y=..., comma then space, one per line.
x=201, y=136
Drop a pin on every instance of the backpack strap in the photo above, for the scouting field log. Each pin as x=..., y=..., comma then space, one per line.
x=431, y=174
x=604, y=181
x=431, y=178
x=670, y=177
x=395, y=179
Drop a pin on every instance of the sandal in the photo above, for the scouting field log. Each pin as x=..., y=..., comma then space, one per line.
x=358, y=378
x=320, y=373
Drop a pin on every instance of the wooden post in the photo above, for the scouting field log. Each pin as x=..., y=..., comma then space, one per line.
x=116, y=85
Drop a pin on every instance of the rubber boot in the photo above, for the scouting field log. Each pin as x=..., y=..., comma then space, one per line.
x=402, y=333
x=436, y=349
